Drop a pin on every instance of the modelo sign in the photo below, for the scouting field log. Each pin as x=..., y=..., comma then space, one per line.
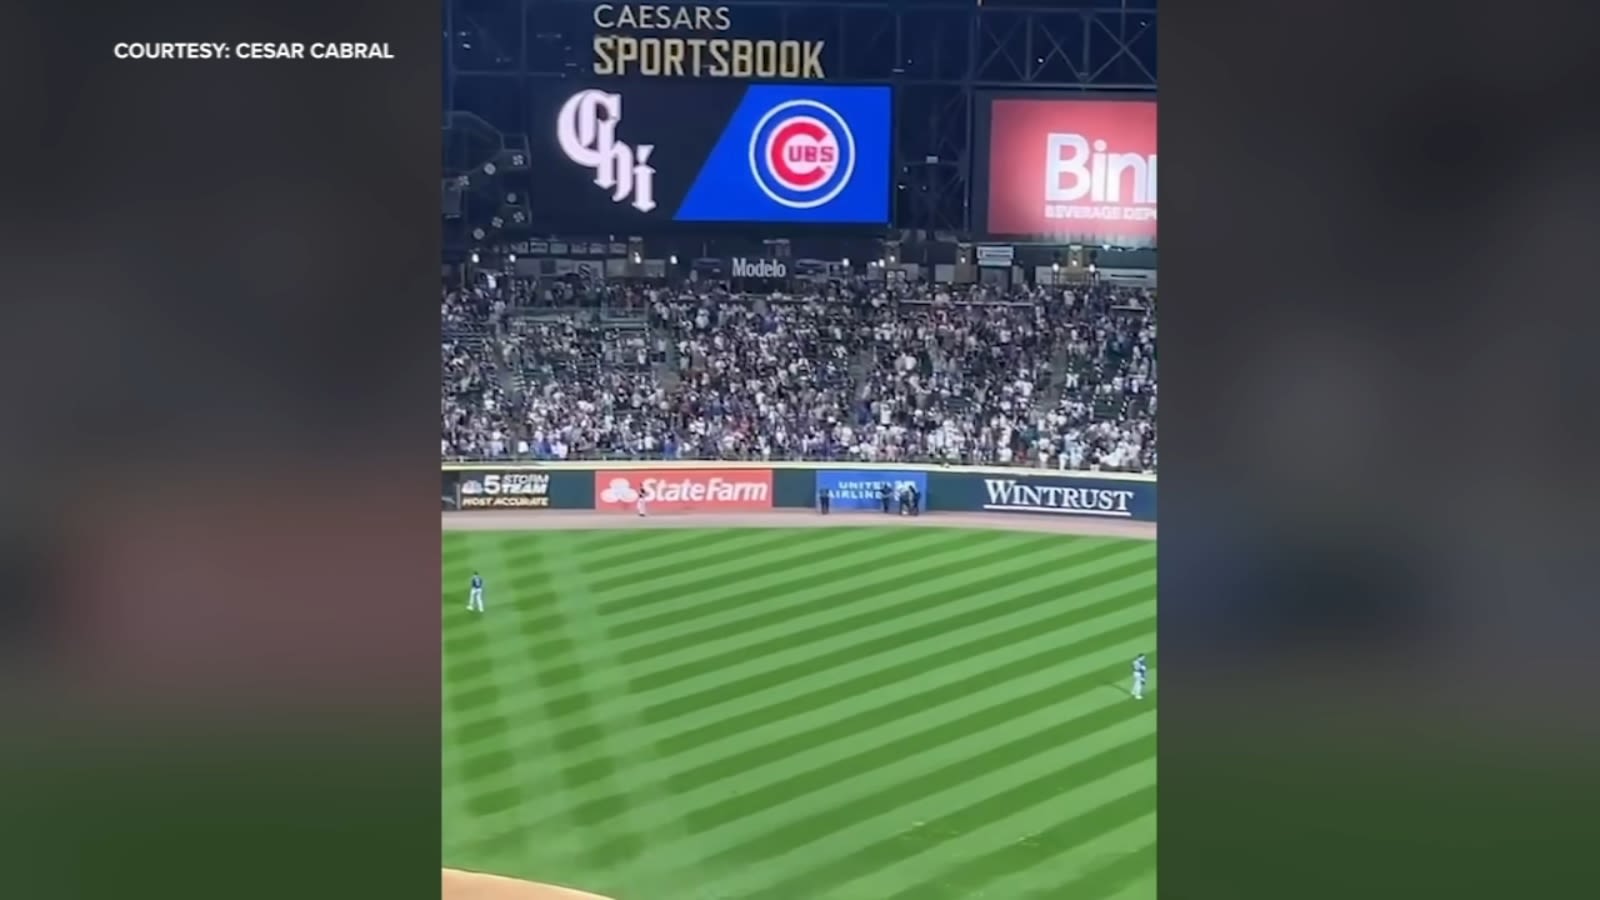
x=505, y=490
x=1082, y=171
x=683, y=490
x=758, y=268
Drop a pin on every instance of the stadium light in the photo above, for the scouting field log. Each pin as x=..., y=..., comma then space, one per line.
x=636, y=259
x=511, y=258
x=1055, y=267
x=845, y=262
x=672, y=260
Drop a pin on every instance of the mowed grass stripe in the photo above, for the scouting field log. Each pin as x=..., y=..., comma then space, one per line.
x=681, y=571
x=888, y=753
x=638, y=608
x=599, y=766
x=1071, y=832
x=524, y=576
x=895, y=660
x=793, y=646
x=959, y=583
x=869, y=681
x=662, y=552
x=1130, y=877
x=491, y=764
x=676, y=866
x=711, y=793
x=1101, y=868
x=929, y=673
x=850, y=860
x=779, y=599
x=768, y=581
x=961, y=855
x=877, y=798
x=634, y=772
x=546, y=650
x=602, y=550
x=475, y=691
x=622, y=576
x=914, y=652
x=818, y=602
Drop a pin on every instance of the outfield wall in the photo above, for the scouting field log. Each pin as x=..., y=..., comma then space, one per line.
x=684, y=486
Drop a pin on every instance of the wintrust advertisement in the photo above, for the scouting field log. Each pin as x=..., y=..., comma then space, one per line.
x=1070, y=170
x=1050, y=495
x=639, y=157
x=682, y=490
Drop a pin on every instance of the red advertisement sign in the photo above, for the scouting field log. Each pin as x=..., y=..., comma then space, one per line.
x=683, y=490
x=1073, y=170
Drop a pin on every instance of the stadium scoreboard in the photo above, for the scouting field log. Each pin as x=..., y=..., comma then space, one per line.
x=695, y=41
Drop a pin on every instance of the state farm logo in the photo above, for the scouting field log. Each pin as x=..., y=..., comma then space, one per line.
x=685, y=490
x=620, y=490
x=802, y=154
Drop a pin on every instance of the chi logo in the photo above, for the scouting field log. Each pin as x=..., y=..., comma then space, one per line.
x=802, y=154
x=586, y=128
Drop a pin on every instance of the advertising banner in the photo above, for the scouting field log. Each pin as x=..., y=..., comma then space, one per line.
x=1064, y=496
x=663, y=41
x=683, y=490
x=449, y=491
x=1079, y=170
x=849, y=490
x=625, y=157
x=488, y=489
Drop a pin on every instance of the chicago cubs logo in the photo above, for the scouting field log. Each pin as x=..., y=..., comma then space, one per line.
x=802, y=154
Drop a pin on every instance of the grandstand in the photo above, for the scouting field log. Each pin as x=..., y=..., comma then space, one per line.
x=1059, y=377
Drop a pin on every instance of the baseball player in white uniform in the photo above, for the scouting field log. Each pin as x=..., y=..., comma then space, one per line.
x=639, y=504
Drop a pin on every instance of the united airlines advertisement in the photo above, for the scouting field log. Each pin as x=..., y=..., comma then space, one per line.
x=641, y=157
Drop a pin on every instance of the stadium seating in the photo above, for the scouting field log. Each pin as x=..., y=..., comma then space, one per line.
x=1049, y=377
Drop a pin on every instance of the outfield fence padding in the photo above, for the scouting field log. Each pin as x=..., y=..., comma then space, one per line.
x=709, y=486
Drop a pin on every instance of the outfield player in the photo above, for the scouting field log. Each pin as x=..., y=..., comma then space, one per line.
x=475, y=595
x=1140, y=672
x=640, y=505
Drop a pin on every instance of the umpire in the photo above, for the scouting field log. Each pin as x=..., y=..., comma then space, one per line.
x=884, y=494
x=822, y=501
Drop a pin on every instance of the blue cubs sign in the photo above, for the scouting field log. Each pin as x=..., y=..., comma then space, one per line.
x=802, y=154
x=640, y=157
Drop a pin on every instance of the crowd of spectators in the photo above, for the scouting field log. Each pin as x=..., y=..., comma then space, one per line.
x=1058, y=377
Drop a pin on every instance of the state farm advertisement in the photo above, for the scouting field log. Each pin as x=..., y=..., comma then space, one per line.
x=682, y=490
x=1074, y=171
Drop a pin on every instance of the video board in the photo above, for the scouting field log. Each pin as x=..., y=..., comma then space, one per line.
x=618, y=157
x=1078, y=170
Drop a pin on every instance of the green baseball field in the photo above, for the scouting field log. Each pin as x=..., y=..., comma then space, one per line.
x=871, y=713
